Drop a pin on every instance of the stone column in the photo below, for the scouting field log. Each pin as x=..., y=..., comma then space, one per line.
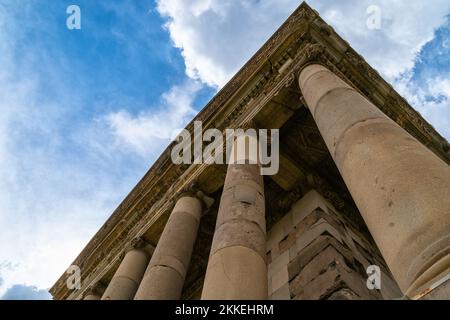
x=128, y=276
x=91, y=297
x=164, y=277
x=94, y=292
x=237, y=266
x=401, y=188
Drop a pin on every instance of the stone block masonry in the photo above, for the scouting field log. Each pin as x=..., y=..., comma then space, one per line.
x=315, y=252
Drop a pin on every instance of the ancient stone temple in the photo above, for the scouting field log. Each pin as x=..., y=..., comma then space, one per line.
x=363, y=181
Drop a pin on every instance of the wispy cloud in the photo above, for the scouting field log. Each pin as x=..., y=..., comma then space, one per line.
x=431, y=98
x=57, y=186
x=23, y=292
x=152, y=129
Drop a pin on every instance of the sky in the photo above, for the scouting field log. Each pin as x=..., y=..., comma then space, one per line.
x=84, y=113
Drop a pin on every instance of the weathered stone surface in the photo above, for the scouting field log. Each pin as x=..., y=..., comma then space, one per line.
x=307, y=204
x=128, y=276
x=280, y=230
x=165, y=274
x=328, y=245
x=280, y=262
x=311, y=251
x=237, y=266
x=282, y=293
x=326, y=283
x=287, y=242
x=239, y=233
x=280, y=278
x=313, y=233
x=379, y=162
x=160, y=283
x=236, y=273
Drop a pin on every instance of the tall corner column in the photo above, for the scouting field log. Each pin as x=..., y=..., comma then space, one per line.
x=237, y=267
x=126, y=280
x=166, y=272
x=401, y=188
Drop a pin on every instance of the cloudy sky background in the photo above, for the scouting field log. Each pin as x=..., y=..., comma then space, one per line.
x=84, y=113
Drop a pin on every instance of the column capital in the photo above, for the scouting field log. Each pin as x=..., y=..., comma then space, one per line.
x=194, y=191
x=141, y=244
x=190, y=190
x=314, y=54
x=96, y=289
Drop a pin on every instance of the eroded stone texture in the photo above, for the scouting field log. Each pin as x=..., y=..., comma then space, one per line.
x=126, y=280
x=317, y=253
x=401, y=188
x=237, y=266
x=165, y=274
x=95, y=291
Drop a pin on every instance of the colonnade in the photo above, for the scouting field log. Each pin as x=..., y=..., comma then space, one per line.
x=401, y=188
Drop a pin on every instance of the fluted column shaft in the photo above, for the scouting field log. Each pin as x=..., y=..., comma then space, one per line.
x=401, y=188
x=237, y=267
x=165, y=274
x=126, y=280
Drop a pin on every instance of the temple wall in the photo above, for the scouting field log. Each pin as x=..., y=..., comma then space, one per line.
x=314, y=252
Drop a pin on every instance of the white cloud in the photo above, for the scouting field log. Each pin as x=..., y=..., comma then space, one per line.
x=431, y=99
x=217, y=36
x=150, y=131
x=406, y=26
x=23, y=292
x=48, y=206
x=48, y=209
x=439, y=86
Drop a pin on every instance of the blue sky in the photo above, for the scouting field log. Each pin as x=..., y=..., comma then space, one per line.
x=84, y=113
